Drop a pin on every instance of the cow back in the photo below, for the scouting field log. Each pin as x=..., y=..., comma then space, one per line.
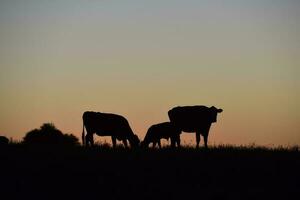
x=190, y=118
x=106, y=124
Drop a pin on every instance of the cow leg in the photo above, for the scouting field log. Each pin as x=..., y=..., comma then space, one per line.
x=178, y=140
x=197, y=139
x=89, y=139
x=125, y=143
x=205, y=140
x=86, y=142
x=154, y=144
x=92, y=140
x=159, y=144
x=205, y=135
x=173, y=142
x=114, y=141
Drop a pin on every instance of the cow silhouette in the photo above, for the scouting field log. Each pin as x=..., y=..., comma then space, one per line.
x=194, y=119
x=107, y=124
x=164, y=130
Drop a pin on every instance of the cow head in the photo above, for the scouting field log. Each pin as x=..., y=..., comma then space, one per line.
x=214, y=112
x=134, y=141
x=144, y=144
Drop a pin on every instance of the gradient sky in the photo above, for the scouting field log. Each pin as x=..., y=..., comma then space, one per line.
x=141, y=58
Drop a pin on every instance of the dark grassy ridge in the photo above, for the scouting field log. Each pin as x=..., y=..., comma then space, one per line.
x=223, y=172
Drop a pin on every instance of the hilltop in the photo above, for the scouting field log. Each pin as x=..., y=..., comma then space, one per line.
x=222, y=172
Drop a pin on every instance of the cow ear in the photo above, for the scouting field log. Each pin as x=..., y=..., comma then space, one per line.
x=220, y=110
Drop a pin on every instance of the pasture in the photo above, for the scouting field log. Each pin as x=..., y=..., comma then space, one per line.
x=100, y=172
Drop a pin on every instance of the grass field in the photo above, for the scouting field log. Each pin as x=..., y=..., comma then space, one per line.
x=221, y=172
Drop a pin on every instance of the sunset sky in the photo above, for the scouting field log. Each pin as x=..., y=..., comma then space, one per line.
x=141, y=58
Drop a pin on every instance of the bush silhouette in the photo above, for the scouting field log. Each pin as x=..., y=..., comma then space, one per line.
x=3, y=141
x=48, y=134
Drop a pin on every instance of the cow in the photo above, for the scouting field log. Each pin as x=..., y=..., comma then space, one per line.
x=164, y=130
x=194, y=119
x=107, y=124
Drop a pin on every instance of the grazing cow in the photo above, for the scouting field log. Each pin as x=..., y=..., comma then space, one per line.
x=107, y=124
x=164, y=130
x=194, y=119
x=4, y=141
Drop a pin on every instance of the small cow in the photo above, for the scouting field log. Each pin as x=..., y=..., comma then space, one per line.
x=107, y=124
x=164, y=130
x=194, y=119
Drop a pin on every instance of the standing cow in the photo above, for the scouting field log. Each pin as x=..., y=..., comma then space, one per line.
x=107, y=124
x=164, y=130
x=194, y=119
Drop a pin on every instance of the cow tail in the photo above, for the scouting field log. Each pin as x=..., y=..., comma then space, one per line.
x=83, y=137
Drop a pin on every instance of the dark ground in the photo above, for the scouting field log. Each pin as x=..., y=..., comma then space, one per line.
x=105, y=173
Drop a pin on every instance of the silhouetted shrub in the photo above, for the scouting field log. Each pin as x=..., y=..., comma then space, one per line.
x=4, y=141
x=48, y=134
